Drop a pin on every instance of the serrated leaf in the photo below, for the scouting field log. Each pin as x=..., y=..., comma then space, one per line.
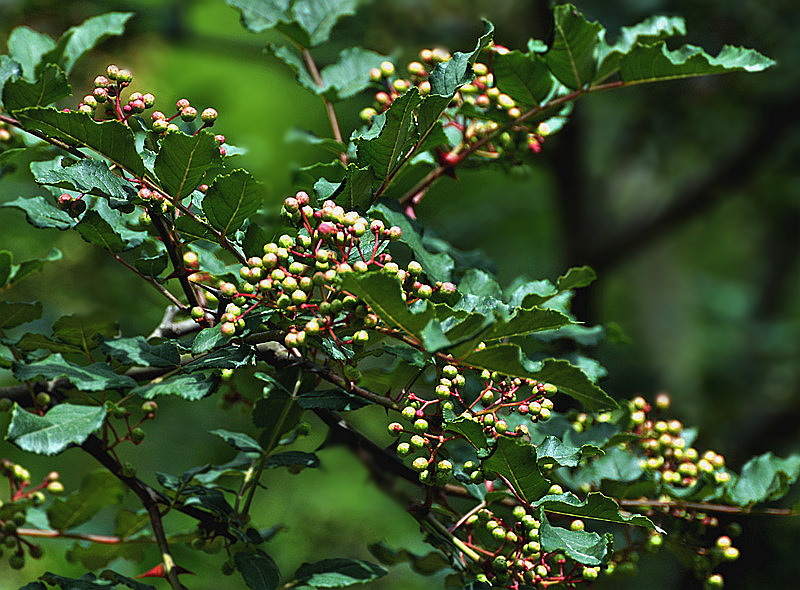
x=438, y=267
x=447, y=77
x=112, y=139
x=576, y=278
x=183, y=161
x=383, y=295
x=137, y=351
x=596, y=506
x=553, y=449
x=316, y=19
x=49, y=87
x=350, y=74
x=471, y=431
x=191, y=229
x=27, y=267
x=258, y=569
x=338, y=573
x=392, y=134
x=526, y=321
x=238, y=440
x=515, y=460
x=98, y=489
x=87, y=176
x=83, y=331
x=31, y=341
x=331, y=399
x=229, y=357
x=207, y=339
x=18, y=313
x=231, y=199
x=260, y=15
x=277, y=413
x=94, y=377
x=509, y=360
x=525, y=78
x=584, y=547
x=293, y=459
x=649, y=63
x=572, y=58
x=764, y=478
x=650, y=30
x=189, y=387
x=40, y=213
x=356, y=192
x=26, y=47
x=64, y=425
x=79, y=39
x=293, y=58
x=96, y=230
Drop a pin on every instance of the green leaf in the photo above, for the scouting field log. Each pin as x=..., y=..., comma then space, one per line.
x=258, y=569
x=8, y=69
x=152, y=266
x=6, y=263
x=191, y=229
x=576, y=278
x=79, y=39
x=294, y=59
x=27, y=267
x=525, y=78
x=427, y=564
x=438, y=267
x=316, y=18
x=189, y=387
x=31, y=341
x=207, y=339
x=391, y=135
x=356, y=192
x=584, y=547
x=260, y=15
x=112, y=139
x=649, y=63
x=183, y=160
x=650, y=30
x=64, y=425
x=764, y=478
x=293, y=459
x=596, y=506
x=526, y=321
x=94, y=377
x=471, y=431
x=83, y=331
x=509, y=360
x=350, y=74
x=331, y=399
x=18, y=313
x=238, y=440
x=125, y=581
x=383, y=295
x=338, y=573
x=563, y=453
x=87, y=176
x=447, y=77
x=277, y=414
x=51, y=85
x=137, y=351
x=96, y=230
x=98, y=489
x=572, y=58
x=515, y=460
x=231, y=199
x=26, y=47
x=229, y=357
x=41, y=213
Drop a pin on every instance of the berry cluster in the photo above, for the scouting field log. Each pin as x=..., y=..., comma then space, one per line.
x=299, y=275
x=13, y=513
x=479, y=107
x=133, y=431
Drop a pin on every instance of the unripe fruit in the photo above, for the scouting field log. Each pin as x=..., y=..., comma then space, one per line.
x=55, y=487
x=16, y=562
x=715, y=581
x=227, y=329
x=188, y=114
x=403, y=449
x=421, y=425
x=387, y=68
x=43, y=399
x=137, y=435
x=395, y=429
x=208, y=115
x=361, y=337
x=420, y=463
x=417, y=441
x=577, y=525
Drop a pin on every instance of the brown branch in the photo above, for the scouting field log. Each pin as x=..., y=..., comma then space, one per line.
x=311, y=66
x=174, y=251
x=707, y=507
x=72, y=150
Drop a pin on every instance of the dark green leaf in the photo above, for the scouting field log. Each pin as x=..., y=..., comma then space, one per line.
x=525, y=78
x=338, y=573
x=764, y=478
x=31, y=341
x=437, y=266
x=191, y=229
x=6, y=262
x=447, y=77
x=650, y=30
x=137, y=351
x=229, y=357
x=207, y=339
x=16, y=314
x=189, y=387
x=94, y=556
x=392, y=134
x=96, y=230
x=564, y=454
x=79, y=39
x=27, y=267
x=238, y=440
x=260, y=15
x=331, y=399
x=350, y=74
x=576, y=278
x=8, y=69
x=515, y=460
x=427, y=564
x=94, y=377
x=125, y=581
x=231, y=199
x=293, y=459
x=64, y=425
x=573, y=57
x=26, y=47
x=258, y=570
x=41, y=213
x=51, y=85
x=112, y=139
x=98, y=489
x=152, y=266
x=87, y=176
x=596, y=506
x=584, y=547
x=357, y=190
x=83, y=331
x=316, y=19
x=293, y=58
x=183, y=160
x=85, y=582
x=472, y=432
x=277, y=414
x=648, y=63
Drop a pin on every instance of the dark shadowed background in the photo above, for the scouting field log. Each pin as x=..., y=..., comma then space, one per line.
x=683, y=196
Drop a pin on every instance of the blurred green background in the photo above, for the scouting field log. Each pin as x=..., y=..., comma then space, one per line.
x=684, y=197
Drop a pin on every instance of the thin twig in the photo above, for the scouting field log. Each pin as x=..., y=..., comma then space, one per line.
x=311, y=66
x=152, y=281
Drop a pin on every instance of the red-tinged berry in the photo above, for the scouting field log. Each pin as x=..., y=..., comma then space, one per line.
x=188, y=113
x=208, y=116
x=228, y=329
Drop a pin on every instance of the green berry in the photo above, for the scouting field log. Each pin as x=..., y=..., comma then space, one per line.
x=421, y=425
x=417, y=441
x=137, y=435
x=16, y=562
x=395, y=429
x=409, y=413
x=403, y=449
x=420, y=463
